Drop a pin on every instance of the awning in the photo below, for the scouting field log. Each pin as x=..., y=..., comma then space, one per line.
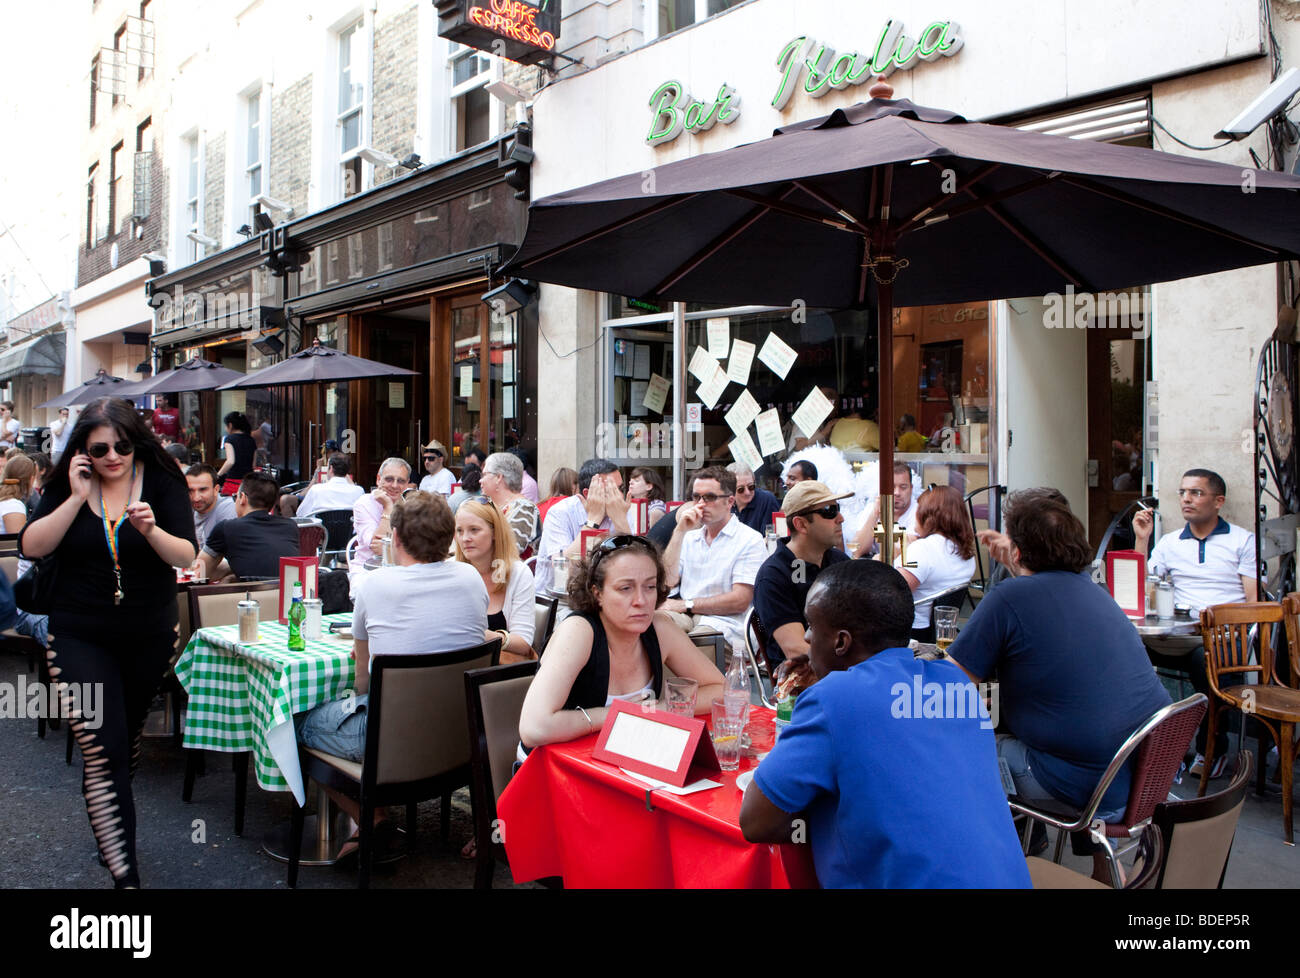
x=41, y=357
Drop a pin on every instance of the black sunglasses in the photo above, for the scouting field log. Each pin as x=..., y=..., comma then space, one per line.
x=100, y=449
x=828, y=512
x=612, y=544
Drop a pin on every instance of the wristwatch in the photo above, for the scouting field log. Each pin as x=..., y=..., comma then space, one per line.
x=590, y=525
x=690, y=606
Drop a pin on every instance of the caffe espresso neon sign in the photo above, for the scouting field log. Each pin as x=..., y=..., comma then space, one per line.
x=806, y=64
x=513, y=19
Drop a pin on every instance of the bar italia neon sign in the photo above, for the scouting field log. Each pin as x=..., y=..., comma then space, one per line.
x=808, y=64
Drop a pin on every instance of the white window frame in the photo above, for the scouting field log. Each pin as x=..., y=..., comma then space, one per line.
x=652, y=17
x=489, y=73
x=360, y=27
x=258, y=94
x=190, y=197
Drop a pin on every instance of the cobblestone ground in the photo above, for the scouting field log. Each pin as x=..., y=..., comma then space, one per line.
x=47, y=840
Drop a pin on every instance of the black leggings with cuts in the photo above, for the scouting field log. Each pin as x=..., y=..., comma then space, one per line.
x=128, y=669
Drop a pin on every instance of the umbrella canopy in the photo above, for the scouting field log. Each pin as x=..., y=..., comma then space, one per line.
x=317, y=364
x=888, y=202
x=970, y=211
x=101, y=385
x=195, y=374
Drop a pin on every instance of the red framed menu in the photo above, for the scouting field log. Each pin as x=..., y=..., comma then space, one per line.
x=296, y=569
x=592, y=539
x=655, y=743
x=638, y=515
x=672, y=504
x=779, y=524
x=1126, y=579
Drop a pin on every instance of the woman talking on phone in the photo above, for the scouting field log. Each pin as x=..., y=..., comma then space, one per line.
x=116, y=516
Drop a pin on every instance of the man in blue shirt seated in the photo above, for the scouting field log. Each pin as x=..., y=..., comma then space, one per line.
x=890, y=759
x=754, y=504
x=1074, y=678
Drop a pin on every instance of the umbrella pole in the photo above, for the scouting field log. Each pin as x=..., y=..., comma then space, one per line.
x=885, y=412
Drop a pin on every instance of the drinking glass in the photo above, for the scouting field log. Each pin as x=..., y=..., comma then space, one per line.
x=945, y=627
x=726, y=742
x=680, y=694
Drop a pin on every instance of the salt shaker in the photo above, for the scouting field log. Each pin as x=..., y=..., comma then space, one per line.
x=1165, y=600
x=248, y=619
x=311, y=625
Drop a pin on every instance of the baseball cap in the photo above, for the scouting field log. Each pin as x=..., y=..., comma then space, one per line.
x=807, y=495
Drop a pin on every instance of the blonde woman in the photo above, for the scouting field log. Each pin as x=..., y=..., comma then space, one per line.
x=14, y=490
x=485, y=541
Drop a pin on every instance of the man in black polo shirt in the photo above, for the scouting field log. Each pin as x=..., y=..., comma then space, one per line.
x=812, y=515
x=253, y=544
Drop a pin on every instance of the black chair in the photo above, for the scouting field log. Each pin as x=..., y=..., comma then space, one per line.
x=338, y=530
x=415, y=745
x=991, y=513
x=1119, y=533
x=1198, y=833
x=756, y=653
x=494, y=700
x=544, y=610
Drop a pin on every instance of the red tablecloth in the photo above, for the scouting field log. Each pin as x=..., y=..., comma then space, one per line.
x=566, y=814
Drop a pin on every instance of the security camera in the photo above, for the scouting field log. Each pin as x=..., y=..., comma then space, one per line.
x=505, y=92
x=272, y=204
x=1267, y=104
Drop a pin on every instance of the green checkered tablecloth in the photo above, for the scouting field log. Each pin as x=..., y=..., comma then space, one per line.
x=243, y=697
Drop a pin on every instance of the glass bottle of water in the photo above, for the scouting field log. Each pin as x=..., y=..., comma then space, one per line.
x=737, y=688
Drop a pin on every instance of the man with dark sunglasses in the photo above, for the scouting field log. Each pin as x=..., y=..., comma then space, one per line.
x=753, y=505
x=813, y=517
x=714, y=557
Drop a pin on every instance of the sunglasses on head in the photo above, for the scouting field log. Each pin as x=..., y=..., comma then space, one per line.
x=828, y=512
x=612, y=544
x=100, y=449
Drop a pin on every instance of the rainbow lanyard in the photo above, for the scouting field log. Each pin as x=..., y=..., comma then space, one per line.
x=111, y=530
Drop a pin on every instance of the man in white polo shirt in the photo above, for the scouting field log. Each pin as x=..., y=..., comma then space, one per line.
x=339, y=492
x=1211, y=562
x=714, y=558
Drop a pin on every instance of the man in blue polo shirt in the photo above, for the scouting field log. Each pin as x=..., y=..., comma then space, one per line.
x=1211, y=562
x=898, y=790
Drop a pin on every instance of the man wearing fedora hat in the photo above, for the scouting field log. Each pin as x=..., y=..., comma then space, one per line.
x=813, y=517
x=439, y=479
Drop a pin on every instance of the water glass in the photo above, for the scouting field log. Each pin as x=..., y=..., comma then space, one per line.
x=945, y=627
x=680, y=695
x=726, y=742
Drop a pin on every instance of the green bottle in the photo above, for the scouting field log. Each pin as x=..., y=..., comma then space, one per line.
x=296, y=614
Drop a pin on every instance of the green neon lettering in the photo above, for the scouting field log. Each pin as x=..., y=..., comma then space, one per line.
x=692, y=119
x=951, y=41
x=841, y=68
x=727, y=109
x=881, y=60
x=818, y=78
x=791, y=65
x=861, y=69
x=931, y=39
x=664, y=103
x=905, y=61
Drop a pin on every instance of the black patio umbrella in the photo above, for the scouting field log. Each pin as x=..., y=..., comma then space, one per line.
x=888, y=202
x=101, y=385
x=195, y=374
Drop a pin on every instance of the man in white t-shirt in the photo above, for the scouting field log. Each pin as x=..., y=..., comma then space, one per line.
x=9, y=426
x=424, y=603
x=715, y=557
x=439, y=479
x=904, y=511
x=60, y=431
x=338, y=492
x=1211, y=562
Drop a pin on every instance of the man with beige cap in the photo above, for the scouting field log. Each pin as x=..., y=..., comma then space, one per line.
x=439, y=479
x=813, y=517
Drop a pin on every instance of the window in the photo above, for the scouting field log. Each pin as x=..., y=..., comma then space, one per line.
x=146, y=40
x=91, y=178
x=673, y=15
x=94, y=88
x=142, y=185
x=114, y=188
x=351, y=104
x=193, y=195
x=471, y=70
x=119, y=60
x=253, y=153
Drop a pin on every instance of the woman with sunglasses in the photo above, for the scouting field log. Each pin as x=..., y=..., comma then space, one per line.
x=485, y=541
x=614, y=646
x=943, y=553
x=116, y=516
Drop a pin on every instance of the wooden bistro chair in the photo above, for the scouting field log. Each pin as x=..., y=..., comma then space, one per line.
x=1226, y=630
x=494, y=700
x=218, y=604
x=415, y=745
x=1198, y=832
x=1159, y=745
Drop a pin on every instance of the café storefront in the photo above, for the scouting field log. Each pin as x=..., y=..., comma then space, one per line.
x=1007, y=392
x=396, y=275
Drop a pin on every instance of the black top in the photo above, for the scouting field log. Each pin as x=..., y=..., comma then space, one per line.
x=661, y=533
x=758, y=514
x=85, y=582
x=781, y=589
x=591, y=687
x=245, y=449
x=254, y=543
x=497, y=620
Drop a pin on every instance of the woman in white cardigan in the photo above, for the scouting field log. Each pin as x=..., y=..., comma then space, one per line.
x=485, y=541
